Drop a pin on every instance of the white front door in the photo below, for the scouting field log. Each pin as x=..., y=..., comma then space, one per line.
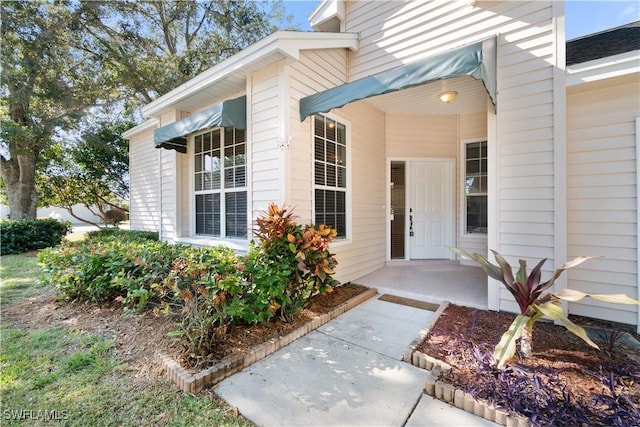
x=431, y=210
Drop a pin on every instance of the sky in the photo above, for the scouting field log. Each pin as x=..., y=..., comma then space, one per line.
x=582, y=17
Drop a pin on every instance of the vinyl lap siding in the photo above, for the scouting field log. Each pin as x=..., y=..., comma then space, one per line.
x=316, y=71
x=144, y=196
x=365, y=252
x=602, y=196
x=265, y=135
x=422, y=136
x=525, y=128
x=401, y=32
x=168, y=194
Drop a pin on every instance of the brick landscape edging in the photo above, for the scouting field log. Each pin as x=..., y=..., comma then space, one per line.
x=194, y=383
x=445, y=392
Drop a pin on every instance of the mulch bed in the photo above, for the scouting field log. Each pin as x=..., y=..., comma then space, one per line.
x=562, y=364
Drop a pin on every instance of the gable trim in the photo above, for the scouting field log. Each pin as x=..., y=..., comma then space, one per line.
x=273, y=48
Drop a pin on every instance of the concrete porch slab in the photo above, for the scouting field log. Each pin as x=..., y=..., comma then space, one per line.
x=432, y=281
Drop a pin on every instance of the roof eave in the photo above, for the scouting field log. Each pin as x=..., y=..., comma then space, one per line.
x=287, y=43
x=604, y=68
x=146, y=125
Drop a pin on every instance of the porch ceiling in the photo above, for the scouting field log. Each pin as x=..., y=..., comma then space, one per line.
x=423, y=99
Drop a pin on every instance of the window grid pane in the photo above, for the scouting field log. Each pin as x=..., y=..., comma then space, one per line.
x=212, y=174
x=476, y=187
x=236, y=214
x=330, y=173
x=331, y=210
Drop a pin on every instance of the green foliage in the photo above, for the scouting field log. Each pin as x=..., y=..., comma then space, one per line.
x=91, y=170
x=152, y=47
x=205, y=290
x=48, y=82
x=23, y=235
x=527, y=290
x=108, y=269
x=290, y=263
x=123, y=235
x=209, y=289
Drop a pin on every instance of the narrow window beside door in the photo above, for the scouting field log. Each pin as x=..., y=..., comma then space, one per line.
x=476, y=187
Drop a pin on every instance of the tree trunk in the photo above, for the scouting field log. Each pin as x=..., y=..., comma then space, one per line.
x=19, y=175
x=526, y=341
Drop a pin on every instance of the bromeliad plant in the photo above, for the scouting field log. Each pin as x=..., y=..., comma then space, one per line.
x=527, y=291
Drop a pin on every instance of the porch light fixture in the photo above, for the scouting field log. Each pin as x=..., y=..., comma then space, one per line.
x=448, y=96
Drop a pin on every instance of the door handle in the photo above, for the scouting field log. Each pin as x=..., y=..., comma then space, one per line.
x=410, y=222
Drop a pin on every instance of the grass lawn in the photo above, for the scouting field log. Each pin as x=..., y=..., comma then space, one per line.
x=19, y=278
x=62, y=374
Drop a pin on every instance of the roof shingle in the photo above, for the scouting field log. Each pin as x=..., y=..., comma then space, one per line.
x=603, y=44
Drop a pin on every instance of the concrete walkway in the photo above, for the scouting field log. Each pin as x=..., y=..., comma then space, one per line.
x=346, y=373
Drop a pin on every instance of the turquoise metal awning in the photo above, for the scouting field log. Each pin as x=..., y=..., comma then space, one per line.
x=477, y=60
x=230, y=113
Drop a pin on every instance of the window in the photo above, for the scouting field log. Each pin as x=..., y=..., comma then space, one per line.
x=220, y=174
x=476, y=186
x=330, y=173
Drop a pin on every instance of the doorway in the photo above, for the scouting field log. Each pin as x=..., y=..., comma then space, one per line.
x=422, y=209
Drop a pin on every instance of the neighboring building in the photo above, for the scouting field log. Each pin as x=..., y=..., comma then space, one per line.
x=531, y=158
x=60, y=213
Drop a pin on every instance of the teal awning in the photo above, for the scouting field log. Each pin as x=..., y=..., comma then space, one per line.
x=231, y=113
x=477, y=60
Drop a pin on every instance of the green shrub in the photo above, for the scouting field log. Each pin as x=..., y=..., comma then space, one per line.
x=109, y=269
x=205, y=289
x=289, y=263
x=210, y=289
x=124, y=235
x=18, y=236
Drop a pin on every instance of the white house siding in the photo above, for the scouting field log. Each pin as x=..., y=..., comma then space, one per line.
x=316, y=71
x=144, y=190
x=602, y=194
x=394, y=33
x=184, y=197
x=365, y=252
x=422, y=136
x=265, y=135
x=170, y=181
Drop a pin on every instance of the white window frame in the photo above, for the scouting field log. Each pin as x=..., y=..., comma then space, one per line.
x=347, y=190
x=463, y=194
x=236, y=243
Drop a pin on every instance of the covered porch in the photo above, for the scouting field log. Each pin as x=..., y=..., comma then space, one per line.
x=432, y=281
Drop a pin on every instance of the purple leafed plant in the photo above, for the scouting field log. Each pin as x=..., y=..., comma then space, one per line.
x=541, y=394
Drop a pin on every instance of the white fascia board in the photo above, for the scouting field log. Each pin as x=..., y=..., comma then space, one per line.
x=325, y=11
x=147, y=124
x=604, y=68
x=289, y=43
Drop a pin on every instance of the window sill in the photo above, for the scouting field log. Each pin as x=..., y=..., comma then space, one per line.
x=238, y=245
x=340, y=242
x=474, y=236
